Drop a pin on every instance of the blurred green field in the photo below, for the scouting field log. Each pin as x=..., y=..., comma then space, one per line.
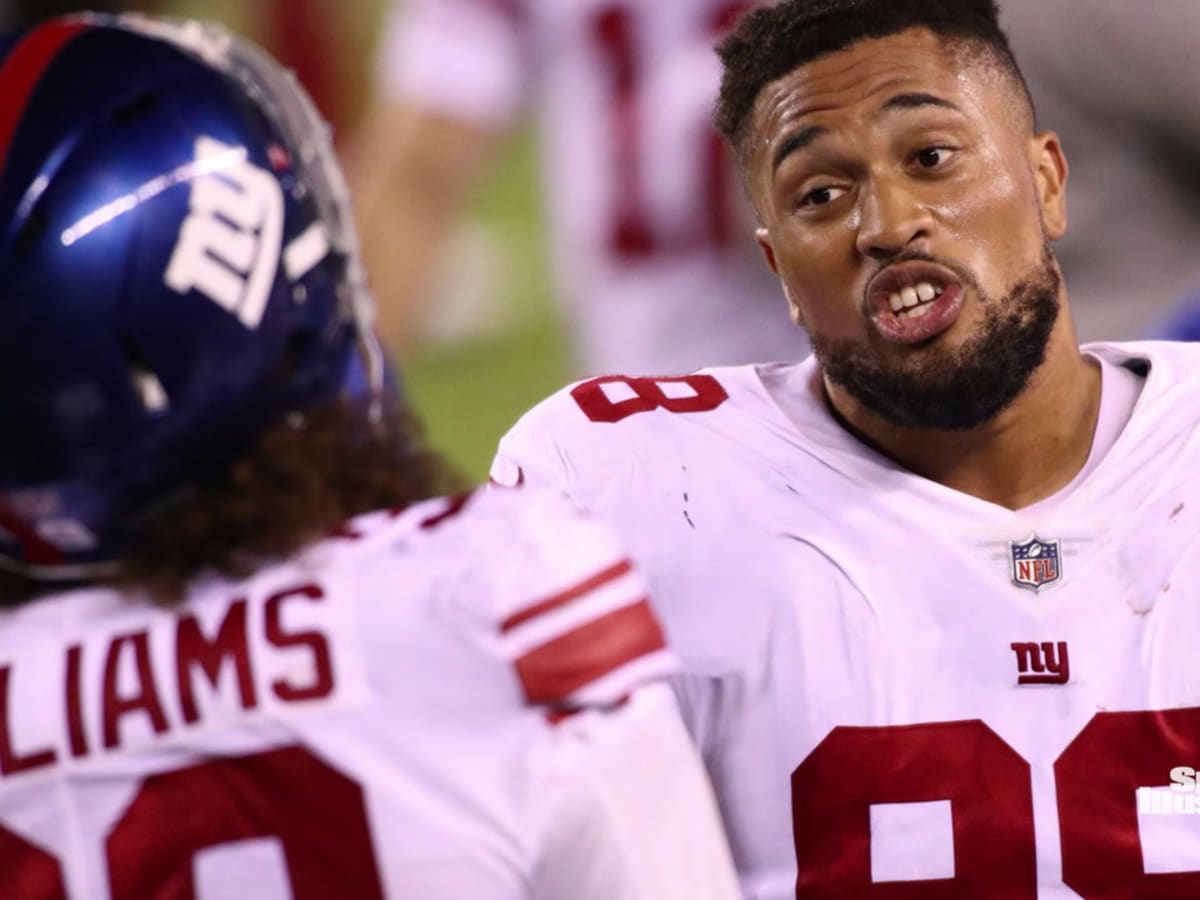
x=469, y=393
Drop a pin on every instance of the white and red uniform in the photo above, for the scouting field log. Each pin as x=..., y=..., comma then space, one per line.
x=650, y=235
x=902, y=691
x=449, y=702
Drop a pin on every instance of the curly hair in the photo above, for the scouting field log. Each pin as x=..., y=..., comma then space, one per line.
x=302, y=479
x=770, y=42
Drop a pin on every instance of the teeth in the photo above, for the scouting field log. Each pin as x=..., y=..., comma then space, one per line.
x=915, y=313
x=905, y=303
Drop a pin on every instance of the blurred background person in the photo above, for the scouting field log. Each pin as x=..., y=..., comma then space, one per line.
x=653, y=260
x=246, y=651
x=1118, y=82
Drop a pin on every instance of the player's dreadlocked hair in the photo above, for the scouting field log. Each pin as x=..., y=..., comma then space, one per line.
x=770, y=42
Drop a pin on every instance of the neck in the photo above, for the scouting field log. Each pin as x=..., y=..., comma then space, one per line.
x=1026, y=453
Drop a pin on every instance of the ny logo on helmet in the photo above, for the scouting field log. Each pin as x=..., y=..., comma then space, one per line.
x=228, y=246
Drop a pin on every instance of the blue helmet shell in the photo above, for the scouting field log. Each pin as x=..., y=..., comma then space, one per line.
x=177, y=274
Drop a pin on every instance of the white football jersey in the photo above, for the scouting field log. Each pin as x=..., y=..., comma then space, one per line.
x=901, y=690
x=651, y=237
x=460, y=700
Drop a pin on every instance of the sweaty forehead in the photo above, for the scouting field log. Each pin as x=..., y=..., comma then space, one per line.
x=859, y=79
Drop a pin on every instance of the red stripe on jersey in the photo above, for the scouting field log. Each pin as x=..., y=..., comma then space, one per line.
x=23, y=69
x=453, y=507
x=560, y=714
x=553, y=671
x=612, y=573
x=555, y=716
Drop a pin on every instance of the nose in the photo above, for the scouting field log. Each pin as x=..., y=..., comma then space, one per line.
x=891, y=219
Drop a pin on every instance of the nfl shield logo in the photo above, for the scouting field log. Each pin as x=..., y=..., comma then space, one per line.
x=1035, y=563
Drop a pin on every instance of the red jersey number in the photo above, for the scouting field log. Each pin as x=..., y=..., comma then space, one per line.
x=990, y=791
x=704, y=394
x=30, y=871
x=317, y=815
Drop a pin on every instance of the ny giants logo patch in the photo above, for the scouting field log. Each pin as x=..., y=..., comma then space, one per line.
x=1035, y=563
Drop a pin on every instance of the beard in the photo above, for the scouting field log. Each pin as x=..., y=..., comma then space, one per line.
x=964, y=387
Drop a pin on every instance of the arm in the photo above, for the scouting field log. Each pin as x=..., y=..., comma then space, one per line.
x=620, y=804
x=633, y=817
x=450, y=79
x=412, y=172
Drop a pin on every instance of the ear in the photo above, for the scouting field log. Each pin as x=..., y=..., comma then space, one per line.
x=1050, y=174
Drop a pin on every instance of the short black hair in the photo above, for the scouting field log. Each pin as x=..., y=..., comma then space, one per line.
x=770, y=42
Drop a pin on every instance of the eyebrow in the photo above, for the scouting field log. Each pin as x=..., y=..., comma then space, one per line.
x=797, y=141
x=805, y=136
x=916, y=100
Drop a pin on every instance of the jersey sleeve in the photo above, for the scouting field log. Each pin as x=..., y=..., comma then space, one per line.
x=466, y=59
x=532, y=451
x=629, y=813
x=573, y=618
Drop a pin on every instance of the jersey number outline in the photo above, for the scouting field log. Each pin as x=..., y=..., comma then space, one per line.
x=317, y=814
x=990, y=789
x=648, y=394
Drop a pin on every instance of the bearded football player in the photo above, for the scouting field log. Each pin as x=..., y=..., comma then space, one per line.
x=934, y=587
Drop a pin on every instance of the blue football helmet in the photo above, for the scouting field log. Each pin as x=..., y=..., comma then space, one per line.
x=178, y=272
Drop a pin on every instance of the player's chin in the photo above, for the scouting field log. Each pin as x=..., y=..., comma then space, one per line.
x=961, y=331
x=915, y=355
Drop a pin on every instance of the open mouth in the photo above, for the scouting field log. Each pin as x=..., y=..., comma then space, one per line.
x=914, y=302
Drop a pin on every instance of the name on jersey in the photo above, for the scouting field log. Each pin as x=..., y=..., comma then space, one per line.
x=125, y=689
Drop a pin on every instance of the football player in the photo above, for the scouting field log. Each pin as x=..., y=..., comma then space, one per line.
x=247, y=651
x=934, y=589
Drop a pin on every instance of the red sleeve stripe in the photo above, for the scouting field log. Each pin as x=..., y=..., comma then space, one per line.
x=558, y=714
x=23, y=69
x=612, y=573
x=551, y=672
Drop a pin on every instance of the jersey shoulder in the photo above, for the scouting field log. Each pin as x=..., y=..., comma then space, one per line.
x=597, y=424
x=1170, y=400
x=530, y=580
